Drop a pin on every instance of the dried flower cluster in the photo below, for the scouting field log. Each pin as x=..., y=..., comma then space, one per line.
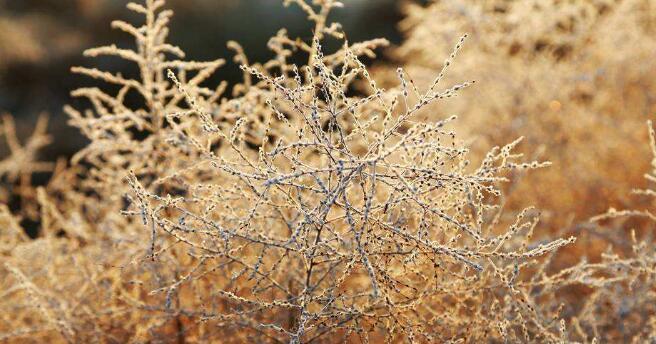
x=305, y=204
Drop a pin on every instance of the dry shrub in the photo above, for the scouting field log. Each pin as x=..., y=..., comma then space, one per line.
x=574, y=77
x=291, y=209
x=622, y=308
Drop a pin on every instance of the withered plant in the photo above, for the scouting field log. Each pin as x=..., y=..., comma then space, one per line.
x=304, y=204
x=574, y=77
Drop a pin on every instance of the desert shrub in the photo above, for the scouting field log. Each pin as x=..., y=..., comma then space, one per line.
x=577, y=76
x=304, y=204
x=621, y=308
x=574, y=77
